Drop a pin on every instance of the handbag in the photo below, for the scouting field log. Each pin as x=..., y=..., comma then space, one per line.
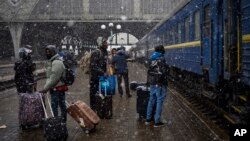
x=108, y=83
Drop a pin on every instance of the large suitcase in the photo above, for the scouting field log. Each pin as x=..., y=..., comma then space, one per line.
x=84, y=115
x=104, y=104
x=55, y=128
x=143, y=94
x=30, y=110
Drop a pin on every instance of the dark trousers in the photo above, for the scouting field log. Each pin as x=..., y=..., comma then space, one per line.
x=58, y=99
x=94, y=86
x=126, y=81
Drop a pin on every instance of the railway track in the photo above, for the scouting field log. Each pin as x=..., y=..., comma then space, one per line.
x=7, y=82
x=215, y=118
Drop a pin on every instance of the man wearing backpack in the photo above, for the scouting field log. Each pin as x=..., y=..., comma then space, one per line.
x=55, y=71
x=98, y=67
x=157, y=78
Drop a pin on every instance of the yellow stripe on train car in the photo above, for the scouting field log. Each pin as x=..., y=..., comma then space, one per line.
x=182, y=45
x=246, y=38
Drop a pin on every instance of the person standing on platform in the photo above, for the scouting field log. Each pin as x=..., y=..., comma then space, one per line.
x=157, y=79
x=55, y=70
x=24, y=77
x=119, y=62
x=112, y=54
x=98, y=67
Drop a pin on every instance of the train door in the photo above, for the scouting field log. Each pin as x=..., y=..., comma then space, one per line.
x=231, y=35
x=206, y=47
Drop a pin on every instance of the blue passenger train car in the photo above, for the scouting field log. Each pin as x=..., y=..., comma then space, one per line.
x=207, y=45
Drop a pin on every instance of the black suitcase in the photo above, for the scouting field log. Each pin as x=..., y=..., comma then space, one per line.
x=55, y=128
x=134, y=85
x=143, y=94
x=104, y=105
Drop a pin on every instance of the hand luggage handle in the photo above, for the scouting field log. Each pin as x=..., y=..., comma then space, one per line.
x=100, y=89
x=50, y=107
x=67, y=104
x=46, y=116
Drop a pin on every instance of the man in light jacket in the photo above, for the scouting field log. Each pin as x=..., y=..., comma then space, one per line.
x=55, y=70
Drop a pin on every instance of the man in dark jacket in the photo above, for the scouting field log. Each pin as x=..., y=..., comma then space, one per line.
x=157, y=78
x=24, y=78
x=119, y=62
x=98, y=67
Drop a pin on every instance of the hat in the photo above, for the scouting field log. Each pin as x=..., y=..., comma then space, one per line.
x=51, y=48
x=24, y=52
x=100, y=41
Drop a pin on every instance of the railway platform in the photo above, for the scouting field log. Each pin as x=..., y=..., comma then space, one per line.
x=182, y=124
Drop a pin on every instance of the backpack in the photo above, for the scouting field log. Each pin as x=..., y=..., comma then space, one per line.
x=156, y=74
x=85, y=61
x=69, y=64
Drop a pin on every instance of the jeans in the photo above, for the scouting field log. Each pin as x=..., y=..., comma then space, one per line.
x=58, y=99
x=157, y=95
x=126, y=81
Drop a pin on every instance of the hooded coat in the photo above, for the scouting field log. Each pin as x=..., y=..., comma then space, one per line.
x=120, y=62
x=55, y=70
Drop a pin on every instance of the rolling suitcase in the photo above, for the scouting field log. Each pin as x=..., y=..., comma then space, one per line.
x=54, y=127
x=143, y=94
x=84, y=115
x=30, y=110
x=104, y=104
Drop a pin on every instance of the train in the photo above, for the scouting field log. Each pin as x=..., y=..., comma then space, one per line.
x=207, y=45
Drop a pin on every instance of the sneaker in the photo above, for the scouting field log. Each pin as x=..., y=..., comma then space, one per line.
x=159, y=124
x=148, y=122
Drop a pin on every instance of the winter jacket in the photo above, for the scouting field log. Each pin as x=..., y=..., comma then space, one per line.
x=98, y=63
x=158, y=70
x=24, y=75
x=119, y=62
x=55, y=70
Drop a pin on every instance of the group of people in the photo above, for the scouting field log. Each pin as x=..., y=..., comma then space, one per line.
x=99, y=60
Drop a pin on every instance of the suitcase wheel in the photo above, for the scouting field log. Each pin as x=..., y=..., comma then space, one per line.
x=86, y=131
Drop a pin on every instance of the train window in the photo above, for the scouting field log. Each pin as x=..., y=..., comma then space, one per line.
x=179, y=32
x=187, y=29
x=171, y=35
x=197, y=25
x=206, y=24
x=168, y=37
x=162, y=41
x=174, y=34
